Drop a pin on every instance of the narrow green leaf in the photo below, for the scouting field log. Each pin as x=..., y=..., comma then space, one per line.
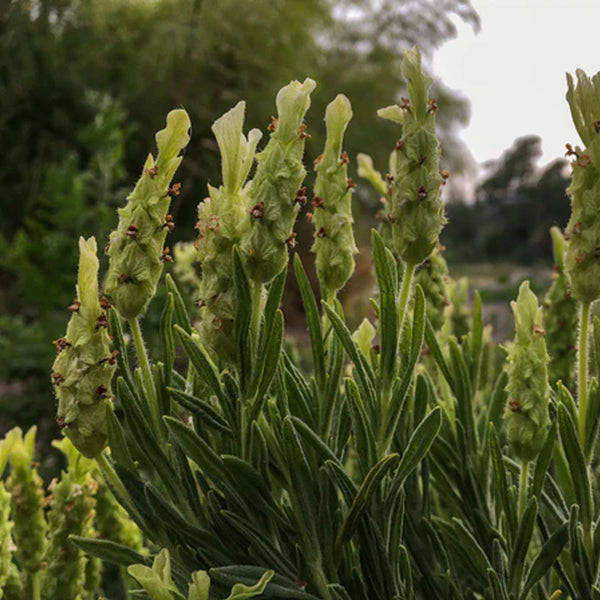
x=313, y=320
x=243, y=317
x=592, y=423
x=577, y=464
x=142, y=434
x=167, y=338
x=502, y=482
x=110, y=552
x=202, y=362
x=278, y=587
x=181, y=314
x=365, y=375
x=497, y=591
x=118, y=341
x=267, y=363
x=241, y=591
x=544, y=560
x=475, y=340
x=362, y=428
x=388, y=314
x=436, y=353
x=361, y=501
x=204, y=411
x=521, y=546
x=418, y=445
x=543, y=462
x=116, y=440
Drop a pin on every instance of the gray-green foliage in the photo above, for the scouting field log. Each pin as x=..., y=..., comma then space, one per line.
x=385, y=468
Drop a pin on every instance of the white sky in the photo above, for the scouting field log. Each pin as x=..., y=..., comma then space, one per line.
x=513, y=71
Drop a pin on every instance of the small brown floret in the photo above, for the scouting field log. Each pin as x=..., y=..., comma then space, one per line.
x=350, y=184
x=317, y=202
x=101, y=391
x=514, y=405
x=302, y=132
x=422, y=193
x=152, y=171
x=258, y=210
x=344, y=158
x=132, y=231
x=174, y=190
x=166, y=255
x=169, y=223
x=57, y=379
x=104, y=303
x=404, y=104
x=273, y=124
x=60, y=421
x=102, y=321
x=291, y=240
x=75, y=306
x=60, y=344
x=301, y=196
x=321, y=233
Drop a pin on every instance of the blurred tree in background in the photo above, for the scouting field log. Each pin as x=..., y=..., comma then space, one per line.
x=83, y=83
x=516, y=204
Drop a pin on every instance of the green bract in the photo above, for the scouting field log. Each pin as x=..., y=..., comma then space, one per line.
x=334, y=239
x=136, y=246
x=560, y=318
x=83, y=369
x=582, y=258
x=223, y=220
x=528, y=389
x=416, y=210
x=275, y=195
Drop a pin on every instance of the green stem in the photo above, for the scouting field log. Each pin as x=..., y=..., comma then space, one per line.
x=36, y=593
x=112, y=480
x=144, y=362
x=523, y=484
x=582, y=361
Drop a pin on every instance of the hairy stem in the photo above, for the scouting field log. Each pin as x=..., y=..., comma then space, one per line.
x=523, y=483
x=582, y=372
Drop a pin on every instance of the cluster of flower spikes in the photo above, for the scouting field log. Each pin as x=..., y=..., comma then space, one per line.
x=84, y=367
x=582, y=257
x=68, y=570
x=332, y=218
x=223, y=221
x=560, y=318
x=528, y=388
x=275, y=195
x=136, y=248
x=416, y=209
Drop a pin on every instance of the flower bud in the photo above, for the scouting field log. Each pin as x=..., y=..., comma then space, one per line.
x=136, y=247
x=223, y=219
x=334, y=240
x=560, y=318
x=582, y=258
x=416, y=210
x=83, y=369
x=528, y=389
x=273, y=196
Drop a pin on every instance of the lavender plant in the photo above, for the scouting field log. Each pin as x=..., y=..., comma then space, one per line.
x=408, y=462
